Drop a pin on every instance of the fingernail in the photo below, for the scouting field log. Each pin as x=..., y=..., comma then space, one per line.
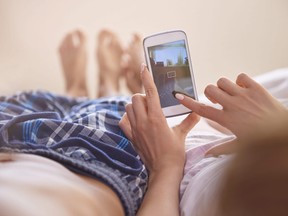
x=143, y=66
x=179, y=96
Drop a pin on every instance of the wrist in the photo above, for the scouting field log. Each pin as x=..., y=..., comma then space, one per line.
x=174, y=173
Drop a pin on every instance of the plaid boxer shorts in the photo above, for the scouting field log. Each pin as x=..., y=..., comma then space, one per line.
x=81, y=134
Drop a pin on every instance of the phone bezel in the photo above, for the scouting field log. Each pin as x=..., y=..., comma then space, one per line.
x=162, y=38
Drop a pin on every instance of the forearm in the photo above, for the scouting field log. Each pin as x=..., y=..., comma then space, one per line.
x=161, y=148
x=162, y=196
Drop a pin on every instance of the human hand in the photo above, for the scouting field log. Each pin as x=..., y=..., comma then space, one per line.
x=246, y=105
x=159, y=146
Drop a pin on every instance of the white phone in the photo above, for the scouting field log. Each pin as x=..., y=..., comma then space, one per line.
x=168, y=59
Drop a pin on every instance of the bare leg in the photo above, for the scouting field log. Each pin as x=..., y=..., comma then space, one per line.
x=109, y=54
x=131, y=64
x=218, y=127
x=73, y=58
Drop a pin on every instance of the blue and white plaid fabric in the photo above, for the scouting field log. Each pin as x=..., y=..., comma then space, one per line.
x=81, y=134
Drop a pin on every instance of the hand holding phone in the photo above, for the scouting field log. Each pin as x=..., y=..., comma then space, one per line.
x=168, y=59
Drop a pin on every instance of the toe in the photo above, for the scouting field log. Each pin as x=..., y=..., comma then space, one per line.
x=69, y=40
x=81, y=36
x=104, y=34
x=137, y=38
x=64, y=44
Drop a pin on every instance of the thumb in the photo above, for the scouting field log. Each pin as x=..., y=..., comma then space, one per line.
x=125, y=126
x=187, y=124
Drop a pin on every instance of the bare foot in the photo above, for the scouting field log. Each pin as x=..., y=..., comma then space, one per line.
x=109, y=53
x=73, y=58
x=131, y=64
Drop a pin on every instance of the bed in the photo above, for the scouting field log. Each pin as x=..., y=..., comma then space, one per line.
x=199, y=185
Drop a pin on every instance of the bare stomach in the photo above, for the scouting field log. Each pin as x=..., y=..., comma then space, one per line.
x=33, y=185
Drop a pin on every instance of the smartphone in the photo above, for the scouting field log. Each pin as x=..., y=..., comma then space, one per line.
x=168, y=59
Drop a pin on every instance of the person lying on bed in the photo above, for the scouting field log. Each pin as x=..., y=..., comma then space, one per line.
x=253, y=182
x=67, y=155
x=248, y=109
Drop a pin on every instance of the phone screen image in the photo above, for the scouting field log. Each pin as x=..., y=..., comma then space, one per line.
x=171, y=71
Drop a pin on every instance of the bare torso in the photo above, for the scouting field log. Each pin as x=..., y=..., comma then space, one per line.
x=34, y=185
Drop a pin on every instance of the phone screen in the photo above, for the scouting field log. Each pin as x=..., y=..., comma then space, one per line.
x=171, y=71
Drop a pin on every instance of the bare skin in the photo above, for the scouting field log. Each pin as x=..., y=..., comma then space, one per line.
x=96, y=198
x=164, y=156
x=52, y=187
x=73, y=56
x=166, y=168
x=247, y=106
x=131, y=64
x=109, y=55
x=114, y=63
